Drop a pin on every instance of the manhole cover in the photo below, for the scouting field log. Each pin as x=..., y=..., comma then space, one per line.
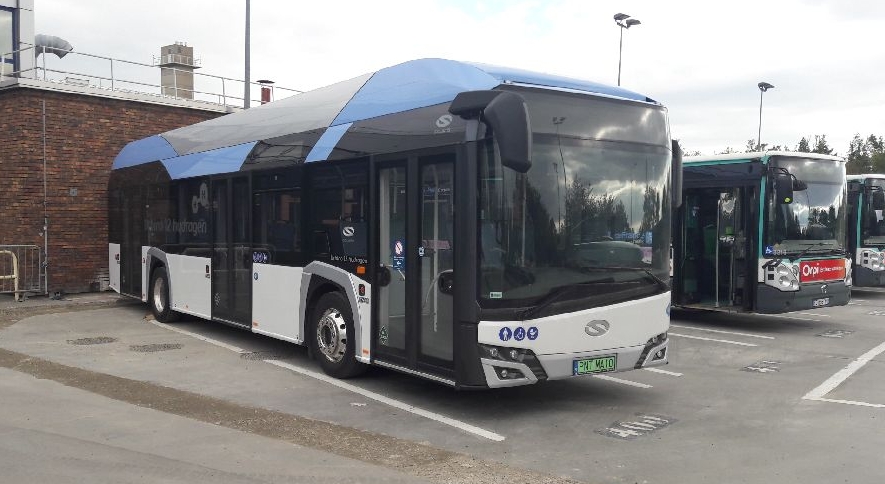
x=763, y=366
x=154, y=348
x=836, y=333
x=98, y=340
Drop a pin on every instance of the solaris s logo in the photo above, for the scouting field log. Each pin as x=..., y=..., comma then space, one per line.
x=597, y=327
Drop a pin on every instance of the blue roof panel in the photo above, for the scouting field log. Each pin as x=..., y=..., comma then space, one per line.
x=411, y=85
x=145, y=150
x=213, y=162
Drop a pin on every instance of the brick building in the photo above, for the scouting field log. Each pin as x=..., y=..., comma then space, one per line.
x=79, y=129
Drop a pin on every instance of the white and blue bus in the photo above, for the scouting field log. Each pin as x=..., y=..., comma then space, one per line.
x=762, y=232
x=866, y=229
x=475, y=225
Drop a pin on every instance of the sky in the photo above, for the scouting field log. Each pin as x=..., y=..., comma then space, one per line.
x=701, y=59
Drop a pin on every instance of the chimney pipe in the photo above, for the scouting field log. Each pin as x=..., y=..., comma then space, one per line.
x=266, y=90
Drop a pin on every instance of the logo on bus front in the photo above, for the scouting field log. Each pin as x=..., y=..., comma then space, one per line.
x=597, y=327
x=822, y=270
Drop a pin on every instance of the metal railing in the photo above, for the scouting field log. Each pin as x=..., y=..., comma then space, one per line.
x=21, y=270
x=80, y=69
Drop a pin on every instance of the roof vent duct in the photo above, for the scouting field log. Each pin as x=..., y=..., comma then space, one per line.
x=52, y=45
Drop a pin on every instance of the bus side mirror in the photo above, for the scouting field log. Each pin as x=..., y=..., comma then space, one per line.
x=783, y=188
x=506, y=113
x=676, y=175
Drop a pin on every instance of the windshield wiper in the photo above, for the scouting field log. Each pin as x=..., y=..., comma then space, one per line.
x=557, y=294
x=811, y=246
x=647, y=272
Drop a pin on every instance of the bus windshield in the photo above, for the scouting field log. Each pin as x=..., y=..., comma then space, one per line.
x=589, y=223
x=814, y=223
x=873, y=222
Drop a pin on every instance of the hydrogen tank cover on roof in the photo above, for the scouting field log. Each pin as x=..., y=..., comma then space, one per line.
x=410, y=85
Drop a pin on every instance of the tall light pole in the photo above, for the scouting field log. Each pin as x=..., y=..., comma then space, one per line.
x=763, y=86
x=624, y=22
x=246, y=94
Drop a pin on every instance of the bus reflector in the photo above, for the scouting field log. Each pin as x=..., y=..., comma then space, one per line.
x=360, y=269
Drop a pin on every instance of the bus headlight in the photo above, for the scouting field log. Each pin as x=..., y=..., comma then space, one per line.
x=783, y=277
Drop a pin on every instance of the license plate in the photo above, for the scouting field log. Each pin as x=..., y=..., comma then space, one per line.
x=821, y=302
x=601, y=364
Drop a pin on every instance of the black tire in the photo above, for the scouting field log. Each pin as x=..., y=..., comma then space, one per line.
x=158, y=297
x=331, y=337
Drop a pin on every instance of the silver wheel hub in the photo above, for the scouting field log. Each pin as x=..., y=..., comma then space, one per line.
x=332, y=335
x=158, y=294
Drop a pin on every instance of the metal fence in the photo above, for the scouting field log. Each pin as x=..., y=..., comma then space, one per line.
x=88, y=70
x=21, y=270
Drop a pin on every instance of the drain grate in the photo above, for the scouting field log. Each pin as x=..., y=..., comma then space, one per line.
x=98, y=340
x=155, y=347
x=260, y=355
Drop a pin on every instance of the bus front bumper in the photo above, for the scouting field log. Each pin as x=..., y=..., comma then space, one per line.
x=864, y=276
x=500, y=373
x=809, y=296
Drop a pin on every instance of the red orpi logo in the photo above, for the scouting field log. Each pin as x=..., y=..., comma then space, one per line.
x=822, y=270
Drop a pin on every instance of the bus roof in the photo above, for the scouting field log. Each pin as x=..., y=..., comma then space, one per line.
x=757, y=155
x=333, y=109
x=865, y=176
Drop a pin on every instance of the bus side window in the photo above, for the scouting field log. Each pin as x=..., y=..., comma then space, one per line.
x=277, y=223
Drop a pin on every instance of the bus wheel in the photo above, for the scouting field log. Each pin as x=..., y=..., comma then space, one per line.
x=333, y=341
x=158, y=298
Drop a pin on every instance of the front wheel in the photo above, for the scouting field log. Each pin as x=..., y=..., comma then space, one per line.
x=158, y=297
x=333, y=340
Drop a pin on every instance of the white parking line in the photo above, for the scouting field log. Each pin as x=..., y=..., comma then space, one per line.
x=792, y=317
x=391, y=402
x=749, y=335
x=621, y=381
x=843, y=374
x=664, y=372
x=813, y=314
x=850, y=402
x=352, y=388
x=714, y=340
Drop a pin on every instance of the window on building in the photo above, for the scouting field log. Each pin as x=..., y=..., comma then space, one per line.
x=7, y=64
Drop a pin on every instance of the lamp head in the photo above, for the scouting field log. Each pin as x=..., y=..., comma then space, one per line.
x=632, y=21
x=620, y=16
x=764, y=86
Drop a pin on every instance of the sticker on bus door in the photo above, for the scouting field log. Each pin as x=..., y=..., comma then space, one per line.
x=399, y=255
x=822, y=270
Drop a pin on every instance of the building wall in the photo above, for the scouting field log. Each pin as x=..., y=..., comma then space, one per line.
x=83, y=135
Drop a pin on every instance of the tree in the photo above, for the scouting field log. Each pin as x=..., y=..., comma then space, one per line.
x=803, y=146
x=821, y=146
x=866, y=155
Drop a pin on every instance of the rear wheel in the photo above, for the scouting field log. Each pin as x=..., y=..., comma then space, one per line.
x=333, y=340
x=158, y=297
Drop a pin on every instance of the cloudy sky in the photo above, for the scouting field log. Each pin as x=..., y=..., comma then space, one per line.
x=702, y=59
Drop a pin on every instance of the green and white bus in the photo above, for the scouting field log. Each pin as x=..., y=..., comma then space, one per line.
x=475, y=225
x=762, y=232
x=866, y=229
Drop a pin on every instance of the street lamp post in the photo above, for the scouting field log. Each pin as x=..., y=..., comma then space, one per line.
x=763, y=86
x=624, y=22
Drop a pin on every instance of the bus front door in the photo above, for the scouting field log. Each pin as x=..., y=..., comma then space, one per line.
x=231, y=251
x=414, y=327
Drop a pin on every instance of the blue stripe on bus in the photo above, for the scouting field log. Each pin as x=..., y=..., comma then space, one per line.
x=212, y=162
x=413, y=85
x=327, y=142
x=145, y=150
